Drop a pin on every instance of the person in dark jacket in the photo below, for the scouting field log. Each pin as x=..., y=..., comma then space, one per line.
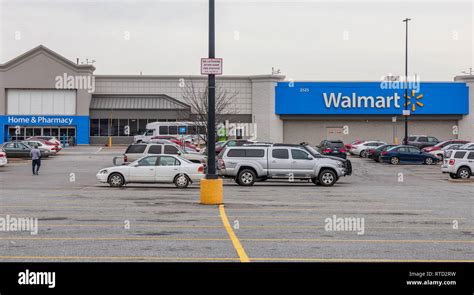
x=36, y=159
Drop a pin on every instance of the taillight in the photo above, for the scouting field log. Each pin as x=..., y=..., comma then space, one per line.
x=221, y=163
x=201, y=169
x=343, y=150
x=2, y=155
x=452, y=161
x=327, y=151
x=383, y=153
x=125, y=159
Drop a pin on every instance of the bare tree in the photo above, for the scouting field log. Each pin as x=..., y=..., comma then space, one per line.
x=197, y=98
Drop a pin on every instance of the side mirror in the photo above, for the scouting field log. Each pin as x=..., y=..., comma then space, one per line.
x=310, y=158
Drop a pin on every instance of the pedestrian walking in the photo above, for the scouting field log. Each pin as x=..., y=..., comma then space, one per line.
x=35, y=159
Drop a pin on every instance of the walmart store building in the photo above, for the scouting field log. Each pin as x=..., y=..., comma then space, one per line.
x=32, y=103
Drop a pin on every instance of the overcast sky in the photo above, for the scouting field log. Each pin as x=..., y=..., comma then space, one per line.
x=310, y=40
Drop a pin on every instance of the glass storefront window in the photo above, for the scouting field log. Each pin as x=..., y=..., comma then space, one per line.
x=142, y=126
x=133, y=126
x=94, y=127
x=122, y=124
x=29, y=132
x=114, y=127
x=104, y=127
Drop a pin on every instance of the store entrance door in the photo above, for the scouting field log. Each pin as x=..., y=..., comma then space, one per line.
x=64, y=134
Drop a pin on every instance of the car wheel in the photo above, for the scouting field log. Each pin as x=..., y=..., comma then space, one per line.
x=327, y=178
x=363, y=154
x=394, y=161
x=429, y=161
x=464, y=173
x=181, y=181
x=453, y=175
x=116, y=180
x=246, y=177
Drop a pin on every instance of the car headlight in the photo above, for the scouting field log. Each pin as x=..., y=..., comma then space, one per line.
x=104, y=171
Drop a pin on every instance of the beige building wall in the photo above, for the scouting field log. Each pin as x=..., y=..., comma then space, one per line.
x=38, y=69
x=240, y=86
x=313, y=132
x=466, y=125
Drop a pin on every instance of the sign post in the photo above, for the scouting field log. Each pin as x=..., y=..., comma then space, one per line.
x=211, y=187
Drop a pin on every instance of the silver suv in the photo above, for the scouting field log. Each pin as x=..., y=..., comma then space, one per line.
x=461, y=164
x=247, y=164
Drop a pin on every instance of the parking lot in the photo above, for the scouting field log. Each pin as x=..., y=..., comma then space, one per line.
x=410, y=212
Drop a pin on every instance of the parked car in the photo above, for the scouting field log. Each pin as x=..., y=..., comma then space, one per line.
x=334, y=148
x=361, y=149
x=52, y=149
x=153, y=169
x=247, y=164
x=182, y=143
x=138, y=150
x=3, y=158
x=355, y=142
x=375, y=154
x=231, y=143
x=443, y=144
x=461, y=164
x=407, y=154
x=422, y=141
x=441, y=152
x=16, y=149
x=467, y=146
x=49, y=140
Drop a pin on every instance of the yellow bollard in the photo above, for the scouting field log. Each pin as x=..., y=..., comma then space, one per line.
x=211, y=191
x=110, y=141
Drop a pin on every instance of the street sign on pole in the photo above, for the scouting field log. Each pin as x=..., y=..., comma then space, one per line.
x=211, y=66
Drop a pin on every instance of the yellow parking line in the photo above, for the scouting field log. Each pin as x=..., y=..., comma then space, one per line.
x=359, y=241
x=235, y=241
x=121, y=258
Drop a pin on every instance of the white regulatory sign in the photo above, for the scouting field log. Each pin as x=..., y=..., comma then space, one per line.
x=211, y=66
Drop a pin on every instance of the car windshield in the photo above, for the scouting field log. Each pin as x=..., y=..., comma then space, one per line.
x=336, y=144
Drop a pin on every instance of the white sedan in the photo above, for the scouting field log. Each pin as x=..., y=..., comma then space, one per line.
x=3, y=158
x=363, y=148
x=153, y=169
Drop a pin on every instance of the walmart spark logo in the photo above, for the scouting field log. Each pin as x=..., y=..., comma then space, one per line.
x=415, y=101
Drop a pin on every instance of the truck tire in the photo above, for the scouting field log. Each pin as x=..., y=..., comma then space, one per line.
x=327, y=177
x=246, y=177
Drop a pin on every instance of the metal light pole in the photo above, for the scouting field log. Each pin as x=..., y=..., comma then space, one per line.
x=405, y=140
x=211, y=112
x=211, y=188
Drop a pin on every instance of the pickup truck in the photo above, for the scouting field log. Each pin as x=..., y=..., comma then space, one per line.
x=248, y=164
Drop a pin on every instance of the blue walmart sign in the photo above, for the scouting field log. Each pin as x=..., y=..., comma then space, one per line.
x=370, y=98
